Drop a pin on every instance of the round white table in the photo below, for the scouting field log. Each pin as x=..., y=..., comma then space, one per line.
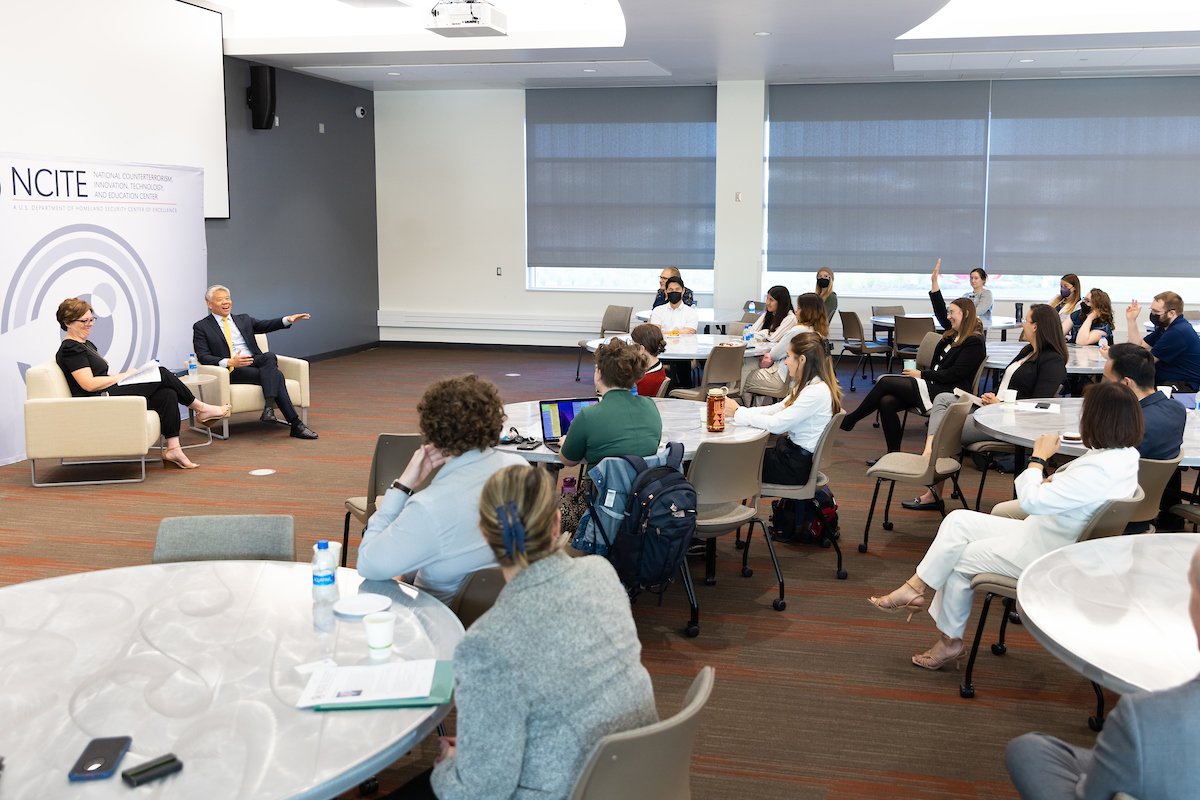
x=710, y=317
x=1022, y=427
x=696, y=346
x=197, y=659
x=683, y=421
x=997, y=323
x=1116, y=609
x=1085, y=360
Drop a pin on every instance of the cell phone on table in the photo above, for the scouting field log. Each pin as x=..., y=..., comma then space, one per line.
x=529, y=446
x=100, y=759
x=1042, y=405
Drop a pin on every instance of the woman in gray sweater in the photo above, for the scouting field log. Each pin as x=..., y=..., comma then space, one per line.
x=553, y=666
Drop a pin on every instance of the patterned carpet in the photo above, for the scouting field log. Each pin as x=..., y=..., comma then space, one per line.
x=819, y=701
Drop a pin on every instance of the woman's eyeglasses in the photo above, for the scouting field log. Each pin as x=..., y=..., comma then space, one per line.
x=87, y=321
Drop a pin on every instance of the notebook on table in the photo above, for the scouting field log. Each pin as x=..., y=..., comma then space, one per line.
x=557, y=416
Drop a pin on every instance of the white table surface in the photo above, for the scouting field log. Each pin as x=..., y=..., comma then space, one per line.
x=683, y=421
x=197, y=659
x=709, y=316
x=1023, y=427
x=1085, y=360
x=1116, y=609
x=694, y=346
x=996, y=323
x=1150, y=325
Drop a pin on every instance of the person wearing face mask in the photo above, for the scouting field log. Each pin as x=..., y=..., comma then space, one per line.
x=1092, y=321
x=980, y=295
x=676, y=317
x=1068, y=295
x=825, y=291
x=661, y=297
x=1173, y=342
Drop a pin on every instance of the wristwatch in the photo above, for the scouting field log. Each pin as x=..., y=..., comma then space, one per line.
x=396, y=484
x=1038, y=460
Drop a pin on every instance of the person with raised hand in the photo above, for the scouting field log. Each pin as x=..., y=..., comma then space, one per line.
x=980, y=295
x=1173, y=342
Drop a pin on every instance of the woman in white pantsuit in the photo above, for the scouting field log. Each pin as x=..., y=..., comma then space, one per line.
x=1059, y=508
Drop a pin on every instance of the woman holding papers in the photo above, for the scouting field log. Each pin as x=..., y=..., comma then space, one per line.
x=87, y=375
x=1049, y=513
x=551, y=668
x=1038, y=371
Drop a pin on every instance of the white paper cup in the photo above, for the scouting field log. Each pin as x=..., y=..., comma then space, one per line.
x=1166, y=390
x=910, y=363
x=380, y=627
x=1010, y=396
x=335, y=548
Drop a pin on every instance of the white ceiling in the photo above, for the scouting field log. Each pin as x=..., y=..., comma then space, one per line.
x=694, y=42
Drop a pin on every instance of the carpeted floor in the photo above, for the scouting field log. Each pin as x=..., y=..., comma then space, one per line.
x=819, y=701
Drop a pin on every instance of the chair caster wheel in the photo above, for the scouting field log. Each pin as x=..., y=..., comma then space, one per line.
x=692, y=631
x=747, y=572
x=887, y=526
x=779, y=604
x=954, y=495
x=710, y=581
x=999, y=649
x=966, y=691
x=842, y=574
x=739, y=544
x=1096, y=724
x=862, y=547
x=874, y=424
x=825, y=543
x=369, y=786
x=1014, y=617
x=853, y=389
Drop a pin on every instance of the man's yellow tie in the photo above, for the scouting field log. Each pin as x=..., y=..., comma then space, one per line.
x=228, y=338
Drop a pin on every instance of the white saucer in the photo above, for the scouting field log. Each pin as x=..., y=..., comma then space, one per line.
x=359, y=605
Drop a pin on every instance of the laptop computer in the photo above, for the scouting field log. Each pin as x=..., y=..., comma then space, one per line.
x=557, y=416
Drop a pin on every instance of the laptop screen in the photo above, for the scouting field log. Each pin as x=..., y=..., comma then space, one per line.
x=558, y=414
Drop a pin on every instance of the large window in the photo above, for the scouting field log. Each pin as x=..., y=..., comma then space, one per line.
x=621, y=183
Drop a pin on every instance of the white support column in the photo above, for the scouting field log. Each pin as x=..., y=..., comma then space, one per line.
x=741, y=121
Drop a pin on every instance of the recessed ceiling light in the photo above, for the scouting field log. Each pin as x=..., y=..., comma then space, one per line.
x=589, y=70
x=393, y=73
x=1026, y=61
x=762, y=33
x=1083, y=59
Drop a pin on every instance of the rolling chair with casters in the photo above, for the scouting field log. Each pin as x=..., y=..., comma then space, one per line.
x=477, y=594
x=855, y=343
x=914, y=468
x=393, y=451
x=723, y=367
x=1110, y=520
x=884, y=311
x=615, y=321
x=236, y=537
x=807, y=492
x=1153, y=476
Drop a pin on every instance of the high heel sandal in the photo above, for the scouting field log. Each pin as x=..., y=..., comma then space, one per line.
x=927, y=661
x=169, y=463
x=208, y=422
x=911, y=605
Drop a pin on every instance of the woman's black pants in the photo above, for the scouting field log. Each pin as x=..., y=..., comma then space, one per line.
x=787, y=463
x=891, y=396
x=163, y=398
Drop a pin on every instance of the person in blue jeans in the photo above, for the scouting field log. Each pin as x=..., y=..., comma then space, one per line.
x=1174, y=343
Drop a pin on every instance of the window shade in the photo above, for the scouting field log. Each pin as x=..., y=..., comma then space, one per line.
x=1095, y=177
x=876, y=177
x=621, y=177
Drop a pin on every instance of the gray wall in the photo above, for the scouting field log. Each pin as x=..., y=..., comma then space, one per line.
x=301, y=230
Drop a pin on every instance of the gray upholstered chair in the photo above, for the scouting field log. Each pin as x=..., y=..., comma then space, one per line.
x=240, y=537
x=393, y=451
x=821, y=460
x=654, y=761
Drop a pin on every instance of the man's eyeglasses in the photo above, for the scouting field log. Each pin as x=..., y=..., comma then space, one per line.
x=86, y=321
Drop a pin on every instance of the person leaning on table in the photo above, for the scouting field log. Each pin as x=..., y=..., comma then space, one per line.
x=675, y=316
x=435, y=532
x=1173, y=342
x=1049, y=513
x=87, y=375
x=550, y=669
x=1147, y=748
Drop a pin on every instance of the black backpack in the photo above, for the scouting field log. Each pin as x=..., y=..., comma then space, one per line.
x=653, y=537
x=806, y=521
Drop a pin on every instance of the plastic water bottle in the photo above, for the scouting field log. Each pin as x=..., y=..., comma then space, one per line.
x=746, y=333
x=1103, y=343
x=193, y=366
x=324, y=571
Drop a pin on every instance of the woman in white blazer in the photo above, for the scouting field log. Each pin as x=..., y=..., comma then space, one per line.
x=1049, y=513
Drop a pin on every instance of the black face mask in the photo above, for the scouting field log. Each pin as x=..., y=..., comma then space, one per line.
x=1084, y=310
x=1158, y=320
x=674, y=297
x=822, y=283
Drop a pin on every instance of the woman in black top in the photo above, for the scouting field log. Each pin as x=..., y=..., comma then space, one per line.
x=1038, y=371
x=955, y=364
x=87, y=375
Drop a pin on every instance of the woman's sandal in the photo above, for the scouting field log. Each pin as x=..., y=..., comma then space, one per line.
x=912, y=605
x=208, y=422
x=167, y=462
x=927, y=661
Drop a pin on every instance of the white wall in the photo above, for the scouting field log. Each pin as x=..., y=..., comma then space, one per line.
x=741, y=115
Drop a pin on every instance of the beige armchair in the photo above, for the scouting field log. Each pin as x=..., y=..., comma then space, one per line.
x=249, y=397
x=88, y=430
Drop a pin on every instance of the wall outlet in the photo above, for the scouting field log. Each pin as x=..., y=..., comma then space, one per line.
x=276, y=121
x=320, y=127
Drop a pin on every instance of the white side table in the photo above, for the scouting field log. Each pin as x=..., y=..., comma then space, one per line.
x=198, y=382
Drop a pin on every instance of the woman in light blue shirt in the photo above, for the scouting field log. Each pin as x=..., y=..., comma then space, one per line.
x=980, y=295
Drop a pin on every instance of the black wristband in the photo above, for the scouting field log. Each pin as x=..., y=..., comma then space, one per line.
x=1038, y=460
x=396, y=484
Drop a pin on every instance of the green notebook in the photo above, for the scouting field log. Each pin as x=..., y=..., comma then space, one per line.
x=439, y=693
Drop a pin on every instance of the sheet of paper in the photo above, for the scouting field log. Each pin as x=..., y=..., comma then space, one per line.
x=391, y=681
x=147, y=373
x=1054, y=408
x=961, y=393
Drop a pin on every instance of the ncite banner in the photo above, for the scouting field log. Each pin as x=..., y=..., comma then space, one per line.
x=127, y=238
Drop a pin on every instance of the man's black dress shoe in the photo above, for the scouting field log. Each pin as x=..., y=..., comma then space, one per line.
x=872, y=461
x=302, y=431
x=916, y=505
x=268, y=415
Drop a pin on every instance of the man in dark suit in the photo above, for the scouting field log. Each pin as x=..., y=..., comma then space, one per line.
x=1165, y=419
x=227, y=340
x=1147, y=748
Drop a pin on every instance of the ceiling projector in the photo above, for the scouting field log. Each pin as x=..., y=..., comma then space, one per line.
x=467, y=18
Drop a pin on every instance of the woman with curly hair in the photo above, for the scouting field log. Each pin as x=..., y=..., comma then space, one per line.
x=435, y=532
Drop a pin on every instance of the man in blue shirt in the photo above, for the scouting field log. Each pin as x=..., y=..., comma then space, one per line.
x=1174, y=343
